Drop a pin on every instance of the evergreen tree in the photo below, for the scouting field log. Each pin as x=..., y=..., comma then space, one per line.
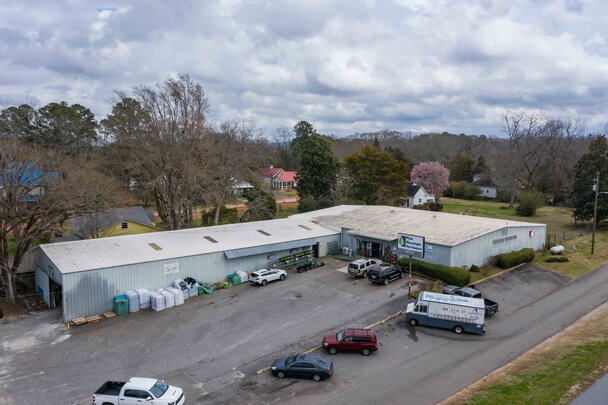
x=319, y=167
x=582, y=196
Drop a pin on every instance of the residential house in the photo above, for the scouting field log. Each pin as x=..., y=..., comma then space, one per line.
x=111, y=222
x=278, y=178
x=487, y=186
x=240, y=187
x=417, y=195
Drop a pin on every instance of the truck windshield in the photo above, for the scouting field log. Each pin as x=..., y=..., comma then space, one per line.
x=159, y=389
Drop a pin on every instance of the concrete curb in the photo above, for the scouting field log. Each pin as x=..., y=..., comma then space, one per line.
x=373, y=325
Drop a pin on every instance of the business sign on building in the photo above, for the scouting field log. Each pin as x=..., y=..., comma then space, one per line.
x=410, y=245
x=171, y=268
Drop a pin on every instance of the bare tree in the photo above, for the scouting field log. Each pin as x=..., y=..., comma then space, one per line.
x=165, y=147
x=39, y=189
x=235, y=149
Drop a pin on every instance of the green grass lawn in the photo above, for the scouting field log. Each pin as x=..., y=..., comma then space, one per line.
x=551, y=374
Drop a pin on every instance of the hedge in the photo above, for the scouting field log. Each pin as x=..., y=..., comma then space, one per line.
x=451, y=275
x=508, y=260
x=557, y=259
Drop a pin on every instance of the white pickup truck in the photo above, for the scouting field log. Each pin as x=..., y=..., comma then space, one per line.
x=138, y=391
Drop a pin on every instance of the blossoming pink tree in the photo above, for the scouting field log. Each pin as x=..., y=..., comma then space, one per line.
x=434, y=175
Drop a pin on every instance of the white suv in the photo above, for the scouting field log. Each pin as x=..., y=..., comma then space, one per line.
x=265, y=276
x=360, y=267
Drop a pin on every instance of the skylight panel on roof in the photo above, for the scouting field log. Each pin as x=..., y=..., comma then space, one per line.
x=263, y=232
x=155, y=246
x=210, y=239
x=305, y=227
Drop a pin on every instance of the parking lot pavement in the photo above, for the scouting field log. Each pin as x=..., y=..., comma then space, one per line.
x=413, y=365
x=207, y=344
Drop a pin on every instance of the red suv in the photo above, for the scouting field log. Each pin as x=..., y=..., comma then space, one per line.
x=351, y=340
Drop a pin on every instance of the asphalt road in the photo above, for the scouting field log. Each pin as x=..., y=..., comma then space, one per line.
x=596, y=394
x=213, y=346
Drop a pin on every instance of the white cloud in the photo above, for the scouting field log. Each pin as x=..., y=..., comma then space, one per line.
x=345, y=66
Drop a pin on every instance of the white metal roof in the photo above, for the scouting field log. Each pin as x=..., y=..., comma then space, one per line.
x=452, y=299
x=122, y=250
x=384, y=223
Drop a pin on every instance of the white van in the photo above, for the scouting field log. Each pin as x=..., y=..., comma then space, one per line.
x=360, y=267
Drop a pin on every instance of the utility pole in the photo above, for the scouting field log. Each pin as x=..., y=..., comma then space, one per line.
x=596, y=186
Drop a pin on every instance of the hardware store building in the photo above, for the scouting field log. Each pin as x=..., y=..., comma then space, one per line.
x=84, y=276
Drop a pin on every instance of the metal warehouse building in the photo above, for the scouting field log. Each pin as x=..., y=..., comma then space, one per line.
x=450, y=239
x=84, y=276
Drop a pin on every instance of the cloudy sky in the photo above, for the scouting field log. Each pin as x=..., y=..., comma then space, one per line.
x=345, y=65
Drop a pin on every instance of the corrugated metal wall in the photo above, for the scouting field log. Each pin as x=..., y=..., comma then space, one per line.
x=90, y=292
x=479, y=250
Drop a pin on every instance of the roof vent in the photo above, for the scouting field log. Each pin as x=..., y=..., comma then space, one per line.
x=263, y=232
x=155, y=246
x=210, y=239
x=305, y=227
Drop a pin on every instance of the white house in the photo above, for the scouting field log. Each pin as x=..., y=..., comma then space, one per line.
x=417, y=195
x=487, y=187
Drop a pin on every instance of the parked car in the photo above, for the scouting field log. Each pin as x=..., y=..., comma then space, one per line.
x=491, y=306
x=137, y=391
x=303, y=366
x=360, y=267
x=385, y=273
x=351, y=340
x=265, y=276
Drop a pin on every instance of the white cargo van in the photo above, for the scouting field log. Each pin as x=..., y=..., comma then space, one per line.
x=460, y=314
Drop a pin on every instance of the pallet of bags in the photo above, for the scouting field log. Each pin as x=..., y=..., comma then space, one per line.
x=179, y=295
x=157, y=301
x=186, y=293
x=244, y=277
x=169, y=297
x=144, y=298
x=133, y=300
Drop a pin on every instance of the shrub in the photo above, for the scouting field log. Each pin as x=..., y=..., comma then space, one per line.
x=429, y=206
x=464, y=189
x=474, y=269
x=451, y=275
x=507, y=260
x=557, y=259
x=528, y=204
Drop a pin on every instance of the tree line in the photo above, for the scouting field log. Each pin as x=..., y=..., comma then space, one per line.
x=158, y=147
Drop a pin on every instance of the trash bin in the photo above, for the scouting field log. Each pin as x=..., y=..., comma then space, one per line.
x=234, y=279
x=121, y=304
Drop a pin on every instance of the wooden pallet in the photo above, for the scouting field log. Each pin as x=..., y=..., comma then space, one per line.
x=93, y=319
x=79, y=321
x=109, y=314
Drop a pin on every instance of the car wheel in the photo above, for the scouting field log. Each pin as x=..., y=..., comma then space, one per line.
x=281, y=374
x=364, y=275
x=386, y=281
x=458, y=329
x=333, y=350
x=365, y=351
x=413, y=322
x=282, y=277
x=402, y=275
x=316, y=377
x=264, y=282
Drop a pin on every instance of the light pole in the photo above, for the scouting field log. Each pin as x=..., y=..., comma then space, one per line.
x=596, y=186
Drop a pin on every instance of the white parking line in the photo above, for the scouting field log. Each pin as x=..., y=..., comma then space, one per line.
x=343, y=269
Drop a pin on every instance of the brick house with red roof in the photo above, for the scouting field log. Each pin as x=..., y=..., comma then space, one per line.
x=278, y=178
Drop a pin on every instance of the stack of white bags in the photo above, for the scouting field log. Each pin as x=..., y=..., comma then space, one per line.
x=157, y=301
x=144, y=298
x=179, y=296
x=193, y=290
x=169, y=297
x=133, y=301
